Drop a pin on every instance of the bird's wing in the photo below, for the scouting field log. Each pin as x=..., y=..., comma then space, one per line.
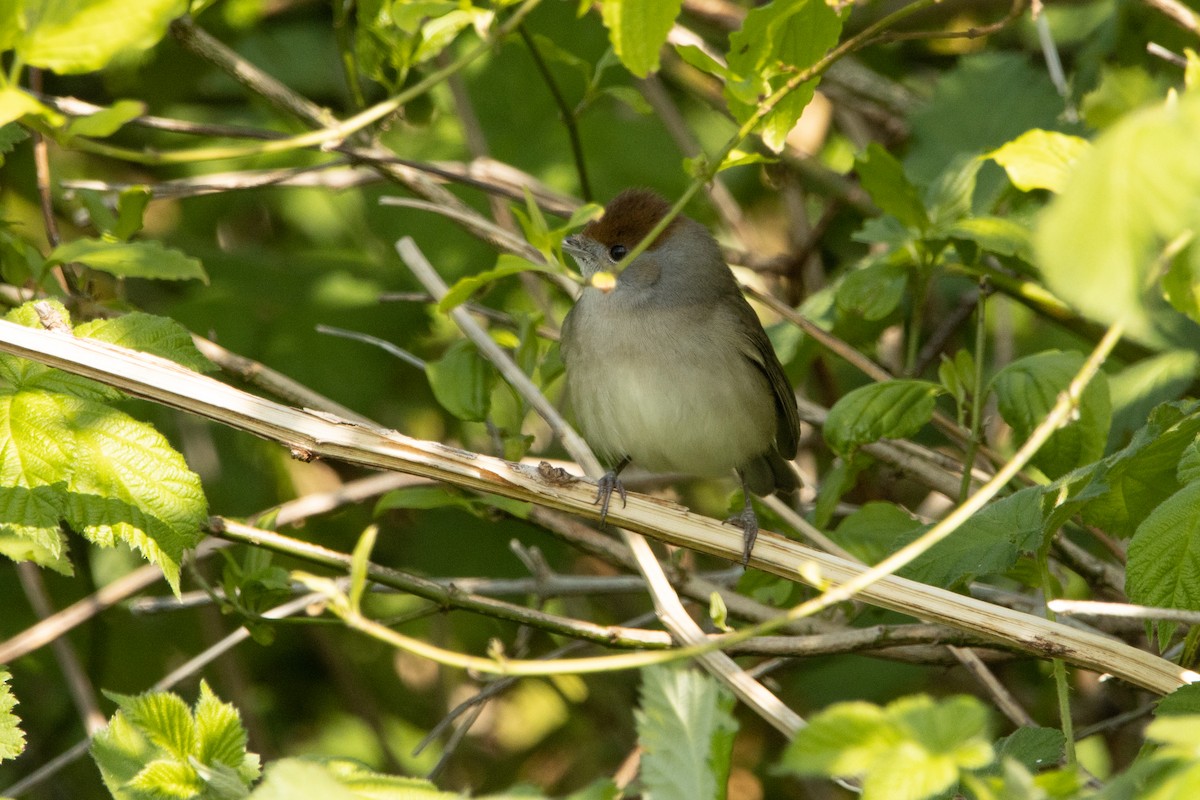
x=757, y=348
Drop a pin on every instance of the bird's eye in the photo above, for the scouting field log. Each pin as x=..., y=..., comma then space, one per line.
x=617, y=252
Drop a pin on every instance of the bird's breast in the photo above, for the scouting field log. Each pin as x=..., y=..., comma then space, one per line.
x=669, y=388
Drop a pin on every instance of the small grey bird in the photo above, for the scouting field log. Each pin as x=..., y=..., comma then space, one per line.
x=671, y=368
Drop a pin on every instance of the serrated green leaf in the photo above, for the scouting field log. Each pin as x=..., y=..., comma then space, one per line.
x=167, y=779
x=989, y=543
x=165, y=720
x=128, y=484
x=638, y=30
x=775, y=41
x=1039, y=159
x=883, y=178
x=506, y=265
x=894, y=410
x=145, y=259
x=1098, y=241
x=148, y=333
x=109, y=476
x=155, y=746
x=221, y=738
x=1120, y=491
x=106, y=121
x=1028, y=388
x=684, y=726
x=1163, y=568
x=74, y=36
x=12, y=738
x=120, y=751
x=29, y=526
x=462, y=381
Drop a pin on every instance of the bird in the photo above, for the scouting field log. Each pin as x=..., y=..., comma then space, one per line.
x=670, y=367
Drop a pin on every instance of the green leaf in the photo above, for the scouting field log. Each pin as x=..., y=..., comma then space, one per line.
x=506, y=265
x=1181, y=283
x=165, y=720
x=989, y=543
x=638, y=30
x=894, y=410
x=1039, y=159
x=1029, y=387
x=127, y=484
x=359, y=564
x=29, y=526
x=1182, y=730
x=911, y=750
x=1184, y=700
x=1163, y=568
x=12, y=738
x=106, y=121
x=685, y=729
x=156, y=747
x=1034, y=748
x=15, y=104
x=1118, y=493
x=75, y=36
x=68, y=456
x=951, y=195
x=874, y=291
x=148, y=259
x=883, y=178
x=999, y=235
x=698, y=58
x=870, y=533
x=148, y=333
x=312, y=778
x=1121, y=91
x=462, y=381
x=131, y=209
x=1099, y=241
x=843, y=739
x=775, y=41
x=974, y=109
x=221, y=735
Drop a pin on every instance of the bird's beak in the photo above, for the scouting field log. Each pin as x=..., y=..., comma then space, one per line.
x=574, y=246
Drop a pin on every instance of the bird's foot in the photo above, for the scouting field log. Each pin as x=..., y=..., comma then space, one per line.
x=604, y=491
x=748, y=522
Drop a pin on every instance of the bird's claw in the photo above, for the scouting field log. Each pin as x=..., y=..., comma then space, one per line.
x=748, y=522
x=604, y=491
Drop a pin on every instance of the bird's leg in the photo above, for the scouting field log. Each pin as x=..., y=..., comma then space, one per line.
x=747, y=521
x=607, y=485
